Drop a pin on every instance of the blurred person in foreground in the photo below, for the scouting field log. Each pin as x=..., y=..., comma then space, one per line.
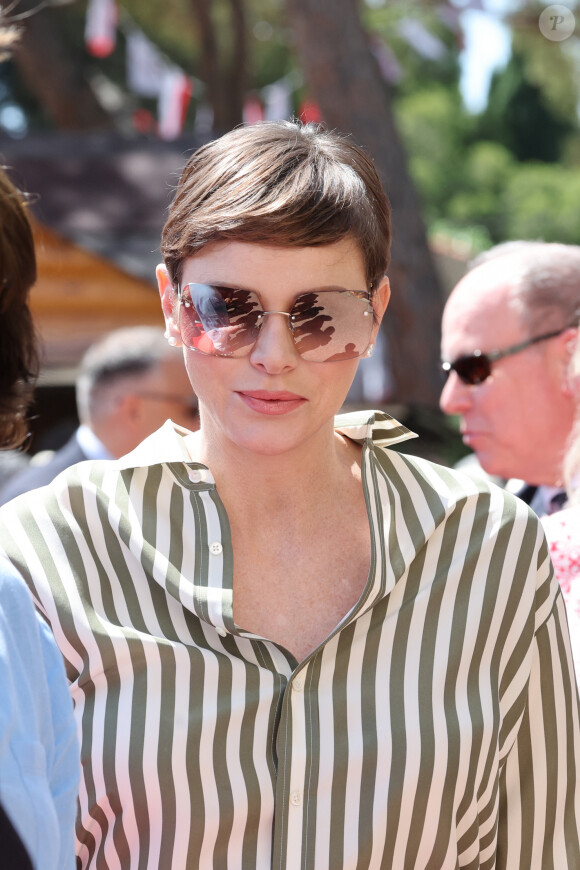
x=289, y=645
x=39, y=757
x=563, y=528
x=508, y=331
x=129, y=383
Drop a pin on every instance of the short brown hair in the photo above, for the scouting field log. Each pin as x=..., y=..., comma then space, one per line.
x=18, y=347
x=280, y=183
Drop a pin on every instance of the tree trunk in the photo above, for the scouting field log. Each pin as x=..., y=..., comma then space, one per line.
x=224, y=78
x=210, y=72
x=238, y=66
x=344, y=79
x=51, y=76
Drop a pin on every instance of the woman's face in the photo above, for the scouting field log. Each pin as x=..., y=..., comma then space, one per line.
x=271, y=400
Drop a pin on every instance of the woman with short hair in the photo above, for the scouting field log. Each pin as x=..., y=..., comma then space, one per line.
x=289, y=645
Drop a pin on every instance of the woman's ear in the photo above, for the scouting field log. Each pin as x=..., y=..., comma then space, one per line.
x=381, y=298
x=168, y=305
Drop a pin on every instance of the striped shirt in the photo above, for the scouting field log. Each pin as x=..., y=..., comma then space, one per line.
x=436, y=728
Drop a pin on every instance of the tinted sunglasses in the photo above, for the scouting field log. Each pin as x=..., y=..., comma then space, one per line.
x=326, y=325
x=475, y=368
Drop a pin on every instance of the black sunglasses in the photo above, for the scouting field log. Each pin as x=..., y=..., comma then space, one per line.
x=474, y=368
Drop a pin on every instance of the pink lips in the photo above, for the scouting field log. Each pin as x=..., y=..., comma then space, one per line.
x=469, y=437
x=271, y=402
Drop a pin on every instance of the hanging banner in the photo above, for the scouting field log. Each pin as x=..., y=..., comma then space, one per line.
x=101, y=27
x=277, y=101
x=174, y=97
x=145, y=65
x=253, y=109
x=391, y=70
x=422, y=40
x=309, y=111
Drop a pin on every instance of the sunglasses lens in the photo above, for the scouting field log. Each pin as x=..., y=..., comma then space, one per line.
x=219, y=321
x=222, y=321
x=473, y=369
x=332, y=325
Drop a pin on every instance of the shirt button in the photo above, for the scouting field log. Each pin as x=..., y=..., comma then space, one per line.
x=298, y=684
x=194, y=475
x=295, y=798
x=215, y=548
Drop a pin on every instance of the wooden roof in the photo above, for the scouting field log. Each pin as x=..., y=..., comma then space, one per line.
x=98, y=203
x=80, y=296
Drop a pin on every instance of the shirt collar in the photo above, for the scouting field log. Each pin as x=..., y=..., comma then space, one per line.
x=377, y=426
x=168, y=443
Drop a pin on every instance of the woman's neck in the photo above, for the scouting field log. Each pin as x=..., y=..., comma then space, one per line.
x=323, y=462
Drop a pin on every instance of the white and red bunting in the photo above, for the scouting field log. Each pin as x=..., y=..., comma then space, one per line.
x=174, y=97
x=101, y=27
x=145, y=65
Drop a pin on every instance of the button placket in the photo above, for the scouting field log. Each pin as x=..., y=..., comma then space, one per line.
x=292, y=772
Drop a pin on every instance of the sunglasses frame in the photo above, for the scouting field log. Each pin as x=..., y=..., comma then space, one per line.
x=492, y=356
x=367, y=294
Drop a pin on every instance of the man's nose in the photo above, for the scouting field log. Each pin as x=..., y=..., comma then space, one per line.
x=455, y=396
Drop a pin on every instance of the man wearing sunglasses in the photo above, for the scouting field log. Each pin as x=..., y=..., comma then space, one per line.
x=508, y=331
x=129, y=383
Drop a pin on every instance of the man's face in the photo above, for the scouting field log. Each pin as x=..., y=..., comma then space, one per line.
x=518, y=420
x=166, y=393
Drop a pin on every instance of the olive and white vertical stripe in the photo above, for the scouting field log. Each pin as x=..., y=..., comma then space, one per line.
x=436, y=728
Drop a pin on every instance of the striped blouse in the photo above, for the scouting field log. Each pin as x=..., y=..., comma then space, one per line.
x=436, y=728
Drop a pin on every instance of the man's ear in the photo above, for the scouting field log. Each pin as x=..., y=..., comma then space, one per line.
x=570, y=357
x=168, y=305
x=128, y=408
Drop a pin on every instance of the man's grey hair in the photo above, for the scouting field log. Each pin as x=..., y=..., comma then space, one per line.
x=127, y=353
x=515, y=246
x=546, y=278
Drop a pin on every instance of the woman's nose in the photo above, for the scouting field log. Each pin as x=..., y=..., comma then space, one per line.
x=275, y=349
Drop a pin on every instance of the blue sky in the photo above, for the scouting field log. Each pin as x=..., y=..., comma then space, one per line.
x=487, y=44
x=487, y=47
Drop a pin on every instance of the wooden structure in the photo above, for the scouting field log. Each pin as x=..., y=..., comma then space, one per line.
x=79, y=297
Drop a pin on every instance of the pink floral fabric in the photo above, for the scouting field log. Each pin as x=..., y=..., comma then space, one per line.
x=563, y=534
